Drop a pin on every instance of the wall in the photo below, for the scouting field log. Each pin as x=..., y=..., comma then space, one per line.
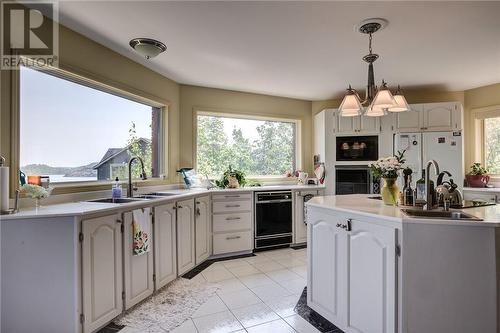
x=209, y=99
x=88, y=58
x=476, y=98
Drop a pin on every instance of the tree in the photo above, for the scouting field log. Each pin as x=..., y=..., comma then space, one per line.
x=492, y=145
x=241, y=151
x=212, y=146
x=141, y=149
x=274, y=148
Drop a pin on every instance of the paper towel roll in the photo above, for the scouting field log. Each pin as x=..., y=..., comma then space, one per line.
x=4, y=188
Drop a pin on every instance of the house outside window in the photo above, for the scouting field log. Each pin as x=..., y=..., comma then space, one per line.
x=257, y=146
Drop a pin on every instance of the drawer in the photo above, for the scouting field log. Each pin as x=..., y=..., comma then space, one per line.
x=232, y=222
x=232, y=206
x=232, y=196
x=232, y=242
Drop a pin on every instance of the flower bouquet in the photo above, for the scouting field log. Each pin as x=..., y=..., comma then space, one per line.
x=387, y=168
x=35, y=192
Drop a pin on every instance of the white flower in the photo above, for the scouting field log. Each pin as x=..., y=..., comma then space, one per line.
x=35, y=191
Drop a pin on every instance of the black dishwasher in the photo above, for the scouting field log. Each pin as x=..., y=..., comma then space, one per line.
x=273, y=218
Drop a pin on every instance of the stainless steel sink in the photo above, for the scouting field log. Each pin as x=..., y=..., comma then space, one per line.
x=439, y=214
x=162, y=194
x=146, y=196
x=117, y=200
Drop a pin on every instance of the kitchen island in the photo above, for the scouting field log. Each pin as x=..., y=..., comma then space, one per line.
x=371, y=268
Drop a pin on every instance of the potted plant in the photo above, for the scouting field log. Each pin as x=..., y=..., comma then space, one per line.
x=477, y=176
x=231, y=178
x=35, y=192
x=387, y=168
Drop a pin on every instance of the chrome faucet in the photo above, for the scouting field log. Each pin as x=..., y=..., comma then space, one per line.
x=130, y=188
x=428, y=199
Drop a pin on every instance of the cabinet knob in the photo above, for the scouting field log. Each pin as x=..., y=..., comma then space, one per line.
x=339, y=225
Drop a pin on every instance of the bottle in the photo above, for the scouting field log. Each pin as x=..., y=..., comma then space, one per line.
x=421, y=192
x=407, y=190
x=116, y=189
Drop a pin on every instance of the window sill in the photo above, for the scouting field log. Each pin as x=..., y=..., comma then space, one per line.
x=77, y=187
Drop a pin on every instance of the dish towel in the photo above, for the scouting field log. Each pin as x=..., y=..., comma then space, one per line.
x=142, y=230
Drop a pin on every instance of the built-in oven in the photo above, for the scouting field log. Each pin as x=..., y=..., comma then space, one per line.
x=355, y=179
x=357, y=148
x=273, y=219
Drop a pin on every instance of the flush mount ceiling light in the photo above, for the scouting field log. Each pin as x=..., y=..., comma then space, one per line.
x=379, y=101
x=147, y=47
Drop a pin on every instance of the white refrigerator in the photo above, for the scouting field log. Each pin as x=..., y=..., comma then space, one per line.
x=444, y=147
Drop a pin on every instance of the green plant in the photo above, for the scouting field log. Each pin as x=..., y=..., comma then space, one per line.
x=230, y=172
x=477, y=170
x=387, y=167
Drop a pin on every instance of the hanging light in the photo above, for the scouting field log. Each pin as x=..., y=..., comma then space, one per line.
x=350, y=106
x=401, y=104
x=383, y=100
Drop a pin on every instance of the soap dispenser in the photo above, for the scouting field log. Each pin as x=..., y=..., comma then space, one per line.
x=116, y=190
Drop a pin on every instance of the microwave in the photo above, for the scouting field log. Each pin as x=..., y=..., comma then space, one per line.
x=357, y=148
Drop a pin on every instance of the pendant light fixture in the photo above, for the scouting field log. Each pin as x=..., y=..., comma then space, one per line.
x=381, y=100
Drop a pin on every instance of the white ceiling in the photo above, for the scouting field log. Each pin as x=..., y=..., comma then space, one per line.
x=306, y=50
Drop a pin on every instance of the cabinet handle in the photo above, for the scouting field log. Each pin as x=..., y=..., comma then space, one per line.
x=232, y=218
x=198, y=212
x=197, y=202
x=231, y=196
x=233, y=237
x=179, y=206
x=348, y=225
x=232, y=206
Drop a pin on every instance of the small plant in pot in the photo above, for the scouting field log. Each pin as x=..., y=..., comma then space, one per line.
x=477, y=176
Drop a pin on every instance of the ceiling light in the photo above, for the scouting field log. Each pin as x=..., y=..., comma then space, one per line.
x=401, y=104
x=383, y=100
x=148, y=48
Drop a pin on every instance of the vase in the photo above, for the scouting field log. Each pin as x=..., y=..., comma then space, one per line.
x=390, y=192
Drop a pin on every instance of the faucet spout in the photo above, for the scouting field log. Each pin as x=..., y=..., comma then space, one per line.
x=130, y=188
x=429, y=200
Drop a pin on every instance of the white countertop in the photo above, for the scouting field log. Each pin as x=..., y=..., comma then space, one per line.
x=360, y=204
x=85, y=208
x=482, y=189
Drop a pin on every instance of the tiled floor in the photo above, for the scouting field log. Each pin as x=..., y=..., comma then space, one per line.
x=257, y=295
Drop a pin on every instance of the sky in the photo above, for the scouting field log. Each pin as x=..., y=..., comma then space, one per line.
x=65, y=124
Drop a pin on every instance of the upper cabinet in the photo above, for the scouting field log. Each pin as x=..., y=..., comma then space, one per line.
x=356, y=125
x=431, y=117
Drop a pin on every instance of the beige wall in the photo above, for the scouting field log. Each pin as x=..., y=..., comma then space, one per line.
x=217, y=100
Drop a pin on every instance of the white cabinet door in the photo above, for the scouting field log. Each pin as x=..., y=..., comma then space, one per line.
x=411, y=120
x=371, y=273
x=165, y=244
x=138, y=269
x=326, y=253
x=439, y=116
x=369, y=124
x=202, y=228
x=300, y=230
x=346, y=125
x=185, y=236
x=102, y=271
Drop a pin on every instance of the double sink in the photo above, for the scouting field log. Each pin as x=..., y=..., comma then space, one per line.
x=440, y=215
x=142, y=197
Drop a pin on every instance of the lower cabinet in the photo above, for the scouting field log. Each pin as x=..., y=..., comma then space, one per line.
x=352, y=272
x=300, y=232
x=165, y=245
x=202, y=229
x=138, y=269
x=102, y=271
x=185, y=236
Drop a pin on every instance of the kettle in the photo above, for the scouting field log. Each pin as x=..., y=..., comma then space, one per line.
x=448, y=191
x=456, y=198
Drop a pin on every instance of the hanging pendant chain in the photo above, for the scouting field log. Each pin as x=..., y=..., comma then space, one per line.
x=370, y=43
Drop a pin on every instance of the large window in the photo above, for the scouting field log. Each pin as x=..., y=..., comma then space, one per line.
x=257, y=147
x=72, y=132
x=492, y=145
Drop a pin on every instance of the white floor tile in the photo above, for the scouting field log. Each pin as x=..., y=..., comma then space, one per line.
x=268, y=266
x=283, y=306
x=238, y=299
x=133, y=330
x=227, y=286
x=295, y=286
x=244, y=270
x=255, y=314
x=277, y=326
x=282, y=275
x=217, y=274
x=186, y=327
x=300, y=270
x=235, y=263
x=213, y=305
x=256, y=259
x=256, y=280
x=301, y=325
x=222, y=322
x=290, y=262
x=270, y=291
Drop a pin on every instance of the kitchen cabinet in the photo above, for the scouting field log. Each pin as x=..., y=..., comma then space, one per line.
x=356, y=125
x=185, y=236
x=165, y=244
x=138, y=269
x=488, y=196
x=202, y=229
x=102, y=271
x=411, y=120
x=431, y=117
x=300, y=227
x=352, y=272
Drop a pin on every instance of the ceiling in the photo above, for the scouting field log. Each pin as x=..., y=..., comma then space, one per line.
x=306, y=50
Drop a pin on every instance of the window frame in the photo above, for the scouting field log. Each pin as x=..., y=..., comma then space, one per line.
x=90, y=80
x=251, y=116
x=478, y=117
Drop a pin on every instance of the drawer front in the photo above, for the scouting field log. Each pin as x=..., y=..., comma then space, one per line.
x=232, y=242
x=232, y=222
x=232, y=206
x=232, y=196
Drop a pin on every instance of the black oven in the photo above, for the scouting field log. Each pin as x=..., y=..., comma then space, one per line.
x=355, y=179
x=273, y=218
x=357, y=148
